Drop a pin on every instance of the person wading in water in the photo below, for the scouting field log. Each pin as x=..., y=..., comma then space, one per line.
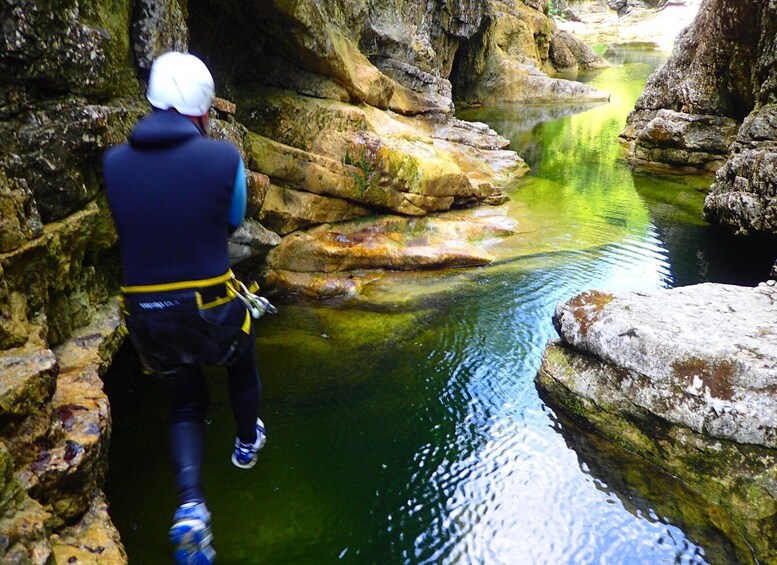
x=175, y=197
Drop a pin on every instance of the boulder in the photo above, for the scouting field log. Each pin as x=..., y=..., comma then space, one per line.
x=685, y=378
x=249, y=241
x=711, y=70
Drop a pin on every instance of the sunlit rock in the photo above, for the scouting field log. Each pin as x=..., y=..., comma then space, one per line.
x=685, y=378
x=355, y=251
x=286, y=209
x=519, y=46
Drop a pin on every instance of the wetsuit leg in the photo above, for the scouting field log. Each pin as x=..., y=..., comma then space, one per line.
x=189, y=395
x=245, y=391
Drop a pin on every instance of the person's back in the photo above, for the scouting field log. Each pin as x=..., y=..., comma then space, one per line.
x=170, y=191
x=175, y=197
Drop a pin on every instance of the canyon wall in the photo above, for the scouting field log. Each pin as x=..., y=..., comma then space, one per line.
x=344, y=112
x=710, y=108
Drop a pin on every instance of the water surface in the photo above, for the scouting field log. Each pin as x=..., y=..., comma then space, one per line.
x=406, y=427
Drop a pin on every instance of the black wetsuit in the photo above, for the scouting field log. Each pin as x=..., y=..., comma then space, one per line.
x=175, y=197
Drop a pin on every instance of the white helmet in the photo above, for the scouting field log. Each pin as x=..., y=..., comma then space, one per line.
x=181, y=81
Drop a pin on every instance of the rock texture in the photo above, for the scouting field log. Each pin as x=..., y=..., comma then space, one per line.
x=349, y=104
x=509, y=60
x=341, y=258
x=710, y=107
x=686, y=379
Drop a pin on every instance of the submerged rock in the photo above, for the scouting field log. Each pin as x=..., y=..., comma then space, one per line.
x=685, y=378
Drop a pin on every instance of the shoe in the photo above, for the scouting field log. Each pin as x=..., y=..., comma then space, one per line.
x=245, y=454
x=191, y=535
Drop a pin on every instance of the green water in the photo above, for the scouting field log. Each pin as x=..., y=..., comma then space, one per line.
x=405, y=427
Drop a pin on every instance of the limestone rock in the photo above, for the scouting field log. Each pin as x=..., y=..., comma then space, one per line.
x=361, y=249
x=23, y=536
x=683, y=140
x=519, y=46
x=286, y=210
x=26, y=389
x=707, y=353
x=251, y=240
x=743, y=197
x=55, y=149
x=68, y=468
x=77, y=47
x=158, y=27
x=685, y=378
x=626, y=6
x=94, y=540
x=373, y=158
x=710, y=72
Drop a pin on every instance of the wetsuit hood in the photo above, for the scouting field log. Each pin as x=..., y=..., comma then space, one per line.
x=163, y=128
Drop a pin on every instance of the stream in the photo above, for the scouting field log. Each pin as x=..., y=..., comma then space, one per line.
x=405, y=427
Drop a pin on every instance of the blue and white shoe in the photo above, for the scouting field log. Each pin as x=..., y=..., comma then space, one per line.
x=191, y=535
x=245, y=454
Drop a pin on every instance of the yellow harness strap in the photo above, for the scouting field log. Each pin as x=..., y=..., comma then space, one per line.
x=180, y=285
x=227, y=279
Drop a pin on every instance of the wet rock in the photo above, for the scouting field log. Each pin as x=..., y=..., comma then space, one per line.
x=70, y=464
x=19, y=217
x=28, y=383
x=67, y=293
x=685, y=378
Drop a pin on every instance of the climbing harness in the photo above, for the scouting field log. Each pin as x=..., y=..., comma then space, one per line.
x=227, y=285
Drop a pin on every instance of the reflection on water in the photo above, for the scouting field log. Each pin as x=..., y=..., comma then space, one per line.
x=405, y=427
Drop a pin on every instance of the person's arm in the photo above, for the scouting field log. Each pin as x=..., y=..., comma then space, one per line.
x=237, y=209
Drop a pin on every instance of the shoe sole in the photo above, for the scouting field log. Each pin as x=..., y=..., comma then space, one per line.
x=250, y=464
x=192, y=540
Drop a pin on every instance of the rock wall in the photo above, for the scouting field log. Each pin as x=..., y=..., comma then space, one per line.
x=349, y=104
x=709, y=108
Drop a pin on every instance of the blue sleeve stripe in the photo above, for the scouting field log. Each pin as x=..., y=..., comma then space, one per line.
x=237, y=209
